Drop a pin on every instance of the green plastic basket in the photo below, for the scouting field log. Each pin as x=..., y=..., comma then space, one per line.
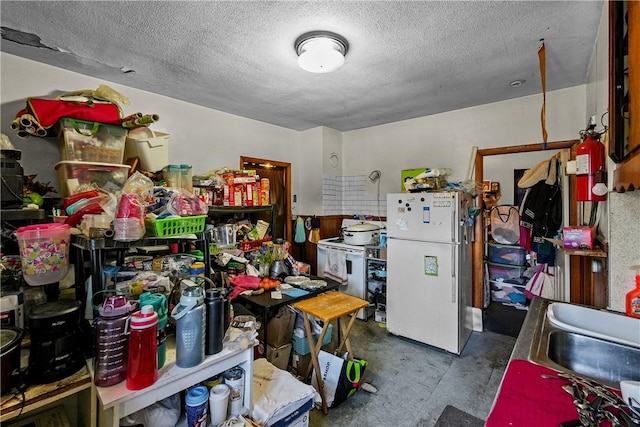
x=175, y=226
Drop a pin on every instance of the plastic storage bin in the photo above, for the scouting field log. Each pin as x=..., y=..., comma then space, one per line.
x=175, y=226
x=77, y=176
x=91, y=141
x=301, y=345
x=44, y=252
x=152, y=149
x=507, y=293
x=507, y=273
x=507, y=254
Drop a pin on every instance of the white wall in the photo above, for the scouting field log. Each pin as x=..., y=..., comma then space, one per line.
x=446, y=140
x=201, y=136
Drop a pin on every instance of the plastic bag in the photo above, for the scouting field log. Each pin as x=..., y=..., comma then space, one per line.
x=505, y=224
x=186, y=205
x=164, y=413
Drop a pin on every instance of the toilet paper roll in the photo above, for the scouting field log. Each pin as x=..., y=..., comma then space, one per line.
x=218, y=402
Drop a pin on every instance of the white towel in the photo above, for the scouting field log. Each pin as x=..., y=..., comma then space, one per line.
x=336, y=265
x=276, y=393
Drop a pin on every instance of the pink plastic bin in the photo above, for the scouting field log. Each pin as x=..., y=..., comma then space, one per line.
x=44, y=252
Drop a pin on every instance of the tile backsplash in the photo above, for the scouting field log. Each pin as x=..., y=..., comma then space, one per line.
x=347, y=195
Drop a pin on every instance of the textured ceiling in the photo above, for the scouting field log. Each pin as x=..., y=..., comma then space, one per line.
x=405, y=60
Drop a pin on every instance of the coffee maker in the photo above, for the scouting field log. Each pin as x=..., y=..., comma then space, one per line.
x=55, y=351
x=12, y=179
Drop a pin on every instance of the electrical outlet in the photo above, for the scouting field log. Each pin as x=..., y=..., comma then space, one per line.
x=295, y=198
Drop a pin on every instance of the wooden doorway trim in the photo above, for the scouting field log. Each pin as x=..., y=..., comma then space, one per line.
x=287, y=181
x=478, y=244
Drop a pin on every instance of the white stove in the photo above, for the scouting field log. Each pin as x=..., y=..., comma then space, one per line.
x=346, y=263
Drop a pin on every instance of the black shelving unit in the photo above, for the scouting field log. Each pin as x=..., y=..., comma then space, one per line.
x=222, y=211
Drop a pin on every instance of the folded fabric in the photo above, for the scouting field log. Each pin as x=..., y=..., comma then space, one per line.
x=335, y=267
x=276, y=393
x=542, y=402
x=243, y=283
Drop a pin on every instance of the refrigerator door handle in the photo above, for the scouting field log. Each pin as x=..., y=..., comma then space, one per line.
x=454, y=226
x=453, y=273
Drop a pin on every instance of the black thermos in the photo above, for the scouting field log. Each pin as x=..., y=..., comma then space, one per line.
x=215, y=321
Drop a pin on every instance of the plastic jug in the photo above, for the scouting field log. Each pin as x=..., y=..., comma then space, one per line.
x=142, y=364
x=632, y=299
x=111, y=341
x=190, y=319
x=159, y=303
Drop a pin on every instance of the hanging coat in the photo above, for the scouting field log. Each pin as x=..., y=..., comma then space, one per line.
x=541, y=212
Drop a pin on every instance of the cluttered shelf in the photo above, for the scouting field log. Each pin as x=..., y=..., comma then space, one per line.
x=38, y=396
x=600, y=248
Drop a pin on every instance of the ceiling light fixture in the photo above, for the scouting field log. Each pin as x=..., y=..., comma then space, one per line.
x=517, y=83
x=321, y=51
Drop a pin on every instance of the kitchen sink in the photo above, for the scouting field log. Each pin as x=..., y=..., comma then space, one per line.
x=602, y=360
x=595, y=323
x=584, y=348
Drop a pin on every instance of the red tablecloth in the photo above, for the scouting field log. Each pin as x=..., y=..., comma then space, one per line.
x=526, y=399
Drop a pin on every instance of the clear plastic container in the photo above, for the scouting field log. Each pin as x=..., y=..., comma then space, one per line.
x=172, y=176
x=507, y=254
x=186, y=177
x=44, y=252
x=91, y=141
x=74, y=176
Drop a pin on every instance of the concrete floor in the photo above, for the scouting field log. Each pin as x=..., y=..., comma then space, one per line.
x=415, y=381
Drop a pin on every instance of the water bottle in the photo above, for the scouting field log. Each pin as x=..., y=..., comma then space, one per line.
x=190, y=319
x=215, y=321
x=159, y=303
x=111, y=341
x=142, y=365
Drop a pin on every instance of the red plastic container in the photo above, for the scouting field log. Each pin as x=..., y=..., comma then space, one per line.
x=142, y=364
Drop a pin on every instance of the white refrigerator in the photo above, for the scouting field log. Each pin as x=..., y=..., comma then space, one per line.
x=429, y=268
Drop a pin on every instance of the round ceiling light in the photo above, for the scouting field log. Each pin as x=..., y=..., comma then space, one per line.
x=321, y=51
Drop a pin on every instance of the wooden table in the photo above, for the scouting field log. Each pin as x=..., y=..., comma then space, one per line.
x=327, y=307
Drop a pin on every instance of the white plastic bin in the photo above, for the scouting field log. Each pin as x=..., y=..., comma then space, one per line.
x=151, y=148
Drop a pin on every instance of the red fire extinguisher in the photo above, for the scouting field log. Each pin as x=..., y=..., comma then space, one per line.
x=590, y=159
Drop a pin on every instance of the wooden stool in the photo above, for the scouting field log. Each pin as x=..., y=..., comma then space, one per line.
x=327, y=307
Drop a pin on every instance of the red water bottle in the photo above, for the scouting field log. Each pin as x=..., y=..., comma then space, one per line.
x=142, y=364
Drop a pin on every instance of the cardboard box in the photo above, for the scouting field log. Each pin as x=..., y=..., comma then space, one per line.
x=578, y=237
x=279, y=356
x=301, y=362
x=280, y=327
x=297, y=418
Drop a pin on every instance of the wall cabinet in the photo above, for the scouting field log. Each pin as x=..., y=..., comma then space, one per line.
x=624, y=93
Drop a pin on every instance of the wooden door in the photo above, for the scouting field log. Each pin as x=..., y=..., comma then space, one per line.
x=279, y=175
